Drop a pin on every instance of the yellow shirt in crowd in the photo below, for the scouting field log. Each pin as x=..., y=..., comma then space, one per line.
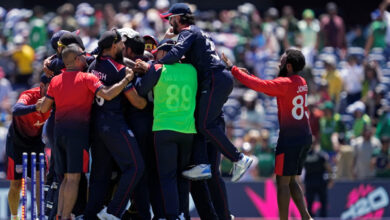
x=335, y=83
x=24, y=58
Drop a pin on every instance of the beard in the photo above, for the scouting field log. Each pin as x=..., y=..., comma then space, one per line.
x=119, y=57
x=283, y=71
x=175, y=28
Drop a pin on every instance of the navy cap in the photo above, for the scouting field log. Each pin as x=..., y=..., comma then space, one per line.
x=56, y=37
x=45, y=79
x=177, y=9
x=71, y=38
x=108, y=38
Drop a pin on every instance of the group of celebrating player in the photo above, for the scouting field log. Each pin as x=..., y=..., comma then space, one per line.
x=150, y=122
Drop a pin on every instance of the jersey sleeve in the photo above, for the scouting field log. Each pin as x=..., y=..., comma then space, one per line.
x=24, y=98
x=275, y=87
x=92, y=82
x=149, y=80
x=51, y=90
x=184, y=43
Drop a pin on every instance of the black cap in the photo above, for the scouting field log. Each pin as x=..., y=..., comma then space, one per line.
x=177, y=9
x=108, y=38
x=71, y=38
x=56, y=37
x=45, y=79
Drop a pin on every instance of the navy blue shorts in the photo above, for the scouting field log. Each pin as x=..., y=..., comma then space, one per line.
x=71, y=153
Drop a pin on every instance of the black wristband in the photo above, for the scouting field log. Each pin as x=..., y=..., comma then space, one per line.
x=229, y=68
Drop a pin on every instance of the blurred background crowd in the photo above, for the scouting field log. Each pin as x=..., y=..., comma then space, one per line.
x=348, y=73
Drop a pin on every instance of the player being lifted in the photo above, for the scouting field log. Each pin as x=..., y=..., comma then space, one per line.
x=295, y=136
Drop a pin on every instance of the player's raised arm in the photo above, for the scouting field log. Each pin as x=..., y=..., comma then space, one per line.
x=270, y=87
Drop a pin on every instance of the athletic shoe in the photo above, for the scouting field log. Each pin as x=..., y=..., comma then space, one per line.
x=198, y=172
x=240, y=167
x=232, y=217
x=181, y=217
x=104, y=215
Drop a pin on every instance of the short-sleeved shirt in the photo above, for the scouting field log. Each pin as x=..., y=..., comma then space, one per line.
x=293, y=114
x=73, y=93
x=109, y=72
x=30, y=125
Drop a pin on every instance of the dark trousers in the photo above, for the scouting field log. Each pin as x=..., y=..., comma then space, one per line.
x=322, y=192
x=147, y=190
x=212, y=95
x=210, y=196
x=113, y=142
x=173, y=154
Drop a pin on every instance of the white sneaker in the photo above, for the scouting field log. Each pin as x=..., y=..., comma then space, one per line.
x=232, y=217
x=181, y=217
x=240, y=167
x=198, y=172
x=104, y=215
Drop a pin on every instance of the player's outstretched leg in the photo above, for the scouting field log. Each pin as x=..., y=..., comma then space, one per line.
x=298, y=198
x=283, y=196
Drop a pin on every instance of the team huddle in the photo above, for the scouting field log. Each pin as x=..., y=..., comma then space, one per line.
x=150, y=120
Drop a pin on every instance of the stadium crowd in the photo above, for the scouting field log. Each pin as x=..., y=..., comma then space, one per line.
x=347, y=71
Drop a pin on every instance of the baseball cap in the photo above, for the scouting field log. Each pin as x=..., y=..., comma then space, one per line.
x=70, y=38
x=108, y=38
x=56, y=37
x=177, y=9
x=45, y=79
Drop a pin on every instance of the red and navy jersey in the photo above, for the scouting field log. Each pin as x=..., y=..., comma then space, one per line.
x=291, y=94
x=29, y=126
x=73, y=93
x=109, y=72
x=198, y=49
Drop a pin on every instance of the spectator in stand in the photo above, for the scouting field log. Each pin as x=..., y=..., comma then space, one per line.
x=361, y=119
x=38, y=33
x=252, y=113
x=65, y=19
x=315, y=115
x=308, y=31
x=270, y=30
x=352, y=76
x=332, y=76
x=290, y=24
x=370, y=82
x=381, y=159
x=318, y=177
x=332, y=33
x=265, y=156
x=344, y=160
x=330, y=126
x=386, y=16
x=356, y=37
x=5, y=93
x=383, y=126
x=364, y=147
x=377, y=32
x=23, y=55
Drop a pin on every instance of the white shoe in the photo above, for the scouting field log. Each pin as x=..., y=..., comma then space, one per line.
x=104, y=215
x=232, y=217
x=240, y=167
x=181, y=217
x=198, y=172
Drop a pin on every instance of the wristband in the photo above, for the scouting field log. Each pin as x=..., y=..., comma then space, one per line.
x=229, y=68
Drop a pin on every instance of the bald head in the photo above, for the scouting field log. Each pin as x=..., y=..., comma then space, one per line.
x=69, y=55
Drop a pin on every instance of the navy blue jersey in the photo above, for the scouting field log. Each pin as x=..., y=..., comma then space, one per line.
x=198, y=49
x=109, y=72
x=128, y=108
